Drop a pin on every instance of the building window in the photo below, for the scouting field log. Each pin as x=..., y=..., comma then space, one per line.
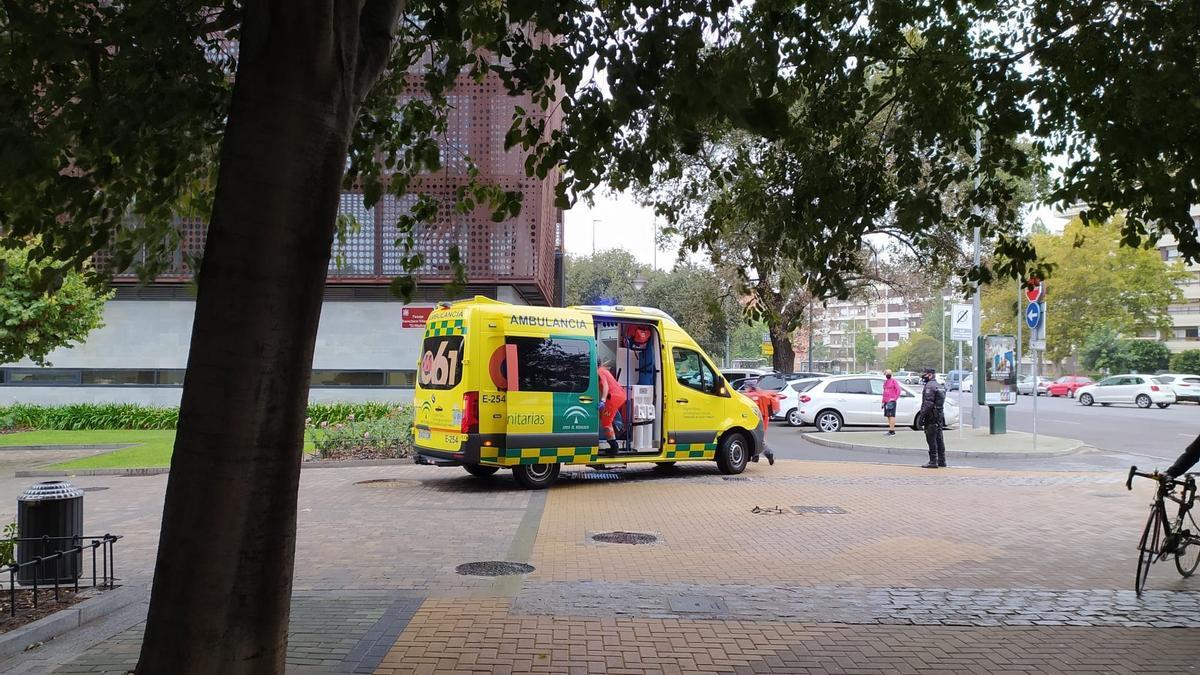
x=1187, y=333
x=43, y=377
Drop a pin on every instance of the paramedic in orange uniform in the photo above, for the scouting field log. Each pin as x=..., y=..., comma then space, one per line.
x=612, y=396
x=768, y=404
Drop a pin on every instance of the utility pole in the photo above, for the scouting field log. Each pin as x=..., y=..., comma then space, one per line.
x=976, y=318
x=594, y=221
x=943, y=331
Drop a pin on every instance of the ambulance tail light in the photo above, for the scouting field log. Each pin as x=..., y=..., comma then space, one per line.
x=470, y=415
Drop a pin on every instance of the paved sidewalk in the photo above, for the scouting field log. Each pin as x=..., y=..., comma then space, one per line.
x=959, y=443
x=803, y=567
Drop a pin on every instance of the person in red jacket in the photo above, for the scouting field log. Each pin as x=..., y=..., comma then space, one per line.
x=612, y=399
x=768, y=405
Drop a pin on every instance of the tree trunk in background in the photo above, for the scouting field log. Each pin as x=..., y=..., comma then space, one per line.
x=223, y=579
x=784, y=359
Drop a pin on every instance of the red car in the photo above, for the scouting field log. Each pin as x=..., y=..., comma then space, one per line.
x=1067, y=384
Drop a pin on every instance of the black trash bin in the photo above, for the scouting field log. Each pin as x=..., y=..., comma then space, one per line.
x=49, y=519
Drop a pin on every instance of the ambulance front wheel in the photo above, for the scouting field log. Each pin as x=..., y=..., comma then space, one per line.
x=536, y=476
x=733, y=453
x=480, y=471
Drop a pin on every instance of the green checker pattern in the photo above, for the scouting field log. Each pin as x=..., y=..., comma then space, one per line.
x=576, y=455
x=445, y=327
x=692, y=451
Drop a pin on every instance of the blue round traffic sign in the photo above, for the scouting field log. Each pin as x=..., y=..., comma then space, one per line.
x=1033, y=315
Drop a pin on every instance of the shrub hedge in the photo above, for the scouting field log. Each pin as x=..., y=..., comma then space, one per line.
x=89, y=416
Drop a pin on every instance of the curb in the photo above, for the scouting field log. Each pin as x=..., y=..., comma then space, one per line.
x=68, y=447
x=49, y=627
x=155, y=471
x=817, y=438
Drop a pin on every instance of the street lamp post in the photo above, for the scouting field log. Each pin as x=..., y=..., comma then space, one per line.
x=594, y=221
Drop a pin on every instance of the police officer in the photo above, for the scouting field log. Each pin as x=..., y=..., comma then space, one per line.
x=933, y=397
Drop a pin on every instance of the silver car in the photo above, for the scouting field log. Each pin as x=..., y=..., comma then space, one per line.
x=1025, y=385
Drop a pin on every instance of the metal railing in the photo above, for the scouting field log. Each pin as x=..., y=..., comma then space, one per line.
x=100, y=546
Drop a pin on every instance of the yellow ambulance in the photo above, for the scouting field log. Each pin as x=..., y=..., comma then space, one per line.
x=503, y=386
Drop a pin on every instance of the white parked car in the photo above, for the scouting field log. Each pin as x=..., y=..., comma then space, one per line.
x=1025, y=385
x=968, y=383
x=1141, y=390
x=789, y=404
x=1187, y=387
x=853, y=400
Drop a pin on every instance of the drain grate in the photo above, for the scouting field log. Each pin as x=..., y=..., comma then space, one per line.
x=592, y=475
x=819, y=509
x=493, y=568
x=94, y=488
x=736, y=478
x=706, y=604
x=634, y=538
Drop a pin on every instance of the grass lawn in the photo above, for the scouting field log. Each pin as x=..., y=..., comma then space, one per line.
x=153, y=448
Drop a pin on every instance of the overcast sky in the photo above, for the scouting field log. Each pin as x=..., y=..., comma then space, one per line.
x=617, y=221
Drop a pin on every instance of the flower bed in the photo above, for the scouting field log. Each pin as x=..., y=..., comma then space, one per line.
x=385, y=437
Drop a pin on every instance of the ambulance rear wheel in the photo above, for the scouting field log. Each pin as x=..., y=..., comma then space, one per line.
x=536, y=476
x=480, y=471
x=732, y=454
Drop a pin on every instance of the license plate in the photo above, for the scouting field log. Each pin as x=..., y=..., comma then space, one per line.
x=424, y=434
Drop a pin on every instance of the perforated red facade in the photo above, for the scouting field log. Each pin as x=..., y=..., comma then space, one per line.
x=518, y=252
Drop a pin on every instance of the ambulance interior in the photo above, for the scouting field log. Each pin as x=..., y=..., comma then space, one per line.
x=635, y=350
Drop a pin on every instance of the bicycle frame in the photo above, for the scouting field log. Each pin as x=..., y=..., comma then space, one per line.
x=1186, y=499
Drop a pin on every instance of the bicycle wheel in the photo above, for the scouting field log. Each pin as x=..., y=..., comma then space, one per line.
x=1187, y=558
x=1147, y=549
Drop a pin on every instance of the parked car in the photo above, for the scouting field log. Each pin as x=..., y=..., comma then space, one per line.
x=1025, y=385
x=953, y=378
x=853, y=400
x=803, y=375
x=1067, y=385
x=967, y=383
x=789, y=403
x=1187, y=387
x=733, y=375
x=1141, y=390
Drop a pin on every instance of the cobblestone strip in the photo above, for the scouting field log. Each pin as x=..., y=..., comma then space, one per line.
x=864, y=605
x=330, y=632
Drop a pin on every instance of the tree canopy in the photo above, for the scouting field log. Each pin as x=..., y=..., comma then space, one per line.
x=1095, y=281
x=33, y=321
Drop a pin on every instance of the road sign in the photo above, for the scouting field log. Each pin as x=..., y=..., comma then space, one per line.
x=1035, y=292
x=1033, y=315
x=960, y=322
x=768, y=350
x=1037, y=345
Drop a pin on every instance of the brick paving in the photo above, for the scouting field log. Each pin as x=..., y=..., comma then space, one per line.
x=956, y=571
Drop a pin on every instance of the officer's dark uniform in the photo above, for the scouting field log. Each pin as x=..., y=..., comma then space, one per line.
x=933, y=397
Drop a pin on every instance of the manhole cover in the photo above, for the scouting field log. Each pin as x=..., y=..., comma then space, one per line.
x=819, y=509
x=634, y=538
x=389, y=482
x=696, y=603
x=95, y=488
x=493, y=568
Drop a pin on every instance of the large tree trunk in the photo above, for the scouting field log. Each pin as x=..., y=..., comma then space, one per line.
x=223, y=580
x=784, y=358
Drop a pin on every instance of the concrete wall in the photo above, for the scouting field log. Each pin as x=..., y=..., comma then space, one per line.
x=156, y=334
